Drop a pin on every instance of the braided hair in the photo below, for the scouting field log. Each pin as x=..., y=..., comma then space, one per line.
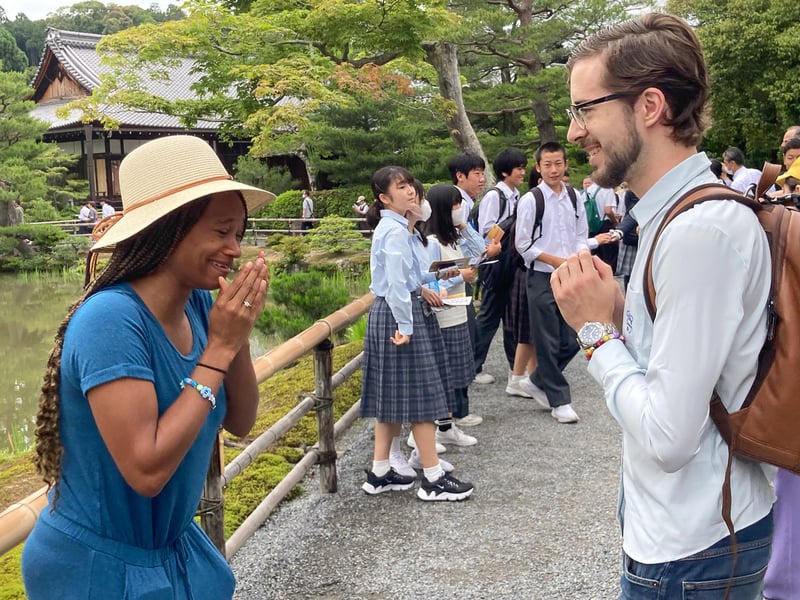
x=132, y=258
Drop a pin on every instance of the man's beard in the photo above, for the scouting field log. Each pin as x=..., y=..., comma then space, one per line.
x=619, y=162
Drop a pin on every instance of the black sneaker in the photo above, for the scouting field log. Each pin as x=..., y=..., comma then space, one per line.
x=446, y=487
x=391, y=482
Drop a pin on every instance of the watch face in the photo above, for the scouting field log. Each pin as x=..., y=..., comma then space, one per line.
x=590, y=334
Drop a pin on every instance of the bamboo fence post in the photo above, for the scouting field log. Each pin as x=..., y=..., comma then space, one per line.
x=323, y=370
x=212, y=503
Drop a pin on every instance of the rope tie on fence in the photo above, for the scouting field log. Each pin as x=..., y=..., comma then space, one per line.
x=326, y=458
x=320, y=402
x=208, y=507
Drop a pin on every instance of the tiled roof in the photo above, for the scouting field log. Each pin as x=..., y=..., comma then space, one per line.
x=76, y=53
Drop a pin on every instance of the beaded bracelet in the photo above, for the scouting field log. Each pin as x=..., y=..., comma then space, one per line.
x=614, y=336
x=203, y=390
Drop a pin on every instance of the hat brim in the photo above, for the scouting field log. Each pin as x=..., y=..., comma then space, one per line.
x=143, y=216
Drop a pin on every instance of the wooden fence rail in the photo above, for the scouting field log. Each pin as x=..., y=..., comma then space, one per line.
x=17, y=521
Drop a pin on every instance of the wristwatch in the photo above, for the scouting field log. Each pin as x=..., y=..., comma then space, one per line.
x=593, y=332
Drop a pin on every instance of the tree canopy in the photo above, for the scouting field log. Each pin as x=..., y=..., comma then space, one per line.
x=752, y=49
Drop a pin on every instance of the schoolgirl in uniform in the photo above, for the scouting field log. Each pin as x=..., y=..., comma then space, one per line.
x=450, y=238
x=402, y=379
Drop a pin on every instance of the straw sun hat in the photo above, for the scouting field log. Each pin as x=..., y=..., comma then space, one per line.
x=166, y=173
x=794, y=171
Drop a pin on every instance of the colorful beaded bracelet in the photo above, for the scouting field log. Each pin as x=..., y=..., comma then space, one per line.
x=614, y=336
x=203, y=390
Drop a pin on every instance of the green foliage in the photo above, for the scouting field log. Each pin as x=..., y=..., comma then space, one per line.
x=348, y=144
x=751, y=47
x=336, y=235
x=299, y=299
x=357, y=331
x=38, y=211
x=293, y=249
x=254, y=171
x=11, y=57
x=38, y=248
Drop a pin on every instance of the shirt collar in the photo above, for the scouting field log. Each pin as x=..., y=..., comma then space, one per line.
x=390, y=214
x=690, y=173
x=464, y=194
x=507, y=190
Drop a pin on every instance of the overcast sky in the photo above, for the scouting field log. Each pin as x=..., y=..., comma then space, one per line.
x=39, y=9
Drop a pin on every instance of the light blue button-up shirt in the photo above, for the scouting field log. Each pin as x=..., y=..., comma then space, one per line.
x=711, y=270
x=390, y=265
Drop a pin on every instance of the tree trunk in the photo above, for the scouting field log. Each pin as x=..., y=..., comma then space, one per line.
x=444, y=58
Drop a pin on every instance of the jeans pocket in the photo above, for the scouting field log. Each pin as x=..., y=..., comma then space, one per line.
x=742, y=587
x=637, y=586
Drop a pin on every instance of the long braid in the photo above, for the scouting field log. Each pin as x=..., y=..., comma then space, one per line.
x=131, y=259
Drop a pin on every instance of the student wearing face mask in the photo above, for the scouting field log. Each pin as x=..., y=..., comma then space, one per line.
x=450, y=238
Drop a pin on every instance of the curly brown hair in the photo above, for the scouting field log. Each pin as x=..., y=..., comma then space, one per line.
x=132, y=258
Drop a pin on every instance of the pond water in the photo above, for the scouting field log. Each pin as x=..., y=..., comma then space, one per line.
x=33, y=308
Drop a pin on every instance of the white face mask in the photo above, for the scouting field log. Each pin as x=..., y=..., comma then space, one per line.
x=426, y=210
x=458, y=216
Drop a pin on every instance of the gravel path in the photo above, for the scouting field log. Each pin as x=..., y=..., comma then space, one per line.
x=540, y=524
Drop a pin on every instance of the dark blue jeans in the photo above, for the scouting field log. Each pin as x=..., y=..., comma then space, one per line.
x=707, y=574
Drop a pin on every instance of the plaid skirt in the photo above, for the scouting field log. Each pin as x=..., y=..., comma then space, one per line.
x=460, y=361
x=408, y=383
x=627, y=254
x=517, y=322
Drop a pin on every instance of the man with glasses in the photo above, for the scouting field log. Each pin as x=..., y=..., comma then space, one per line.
x=638, y=92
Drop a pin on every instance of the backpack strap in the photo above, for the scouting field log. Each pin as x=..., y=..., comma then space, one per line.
x=502, y=202
x=695, y=196
x=538, y=196
x=573, y=197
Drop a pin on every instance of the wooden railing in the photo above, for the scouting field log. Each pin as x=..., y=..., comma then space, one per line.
x=17, y=521
x=255, y=234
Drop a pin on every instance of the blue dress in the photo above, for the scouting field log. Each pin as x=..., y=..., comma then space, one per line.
x=104, y=540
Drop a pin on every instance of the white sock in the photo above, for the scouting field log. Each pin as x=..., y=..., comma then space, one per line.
x=433, y=473
x=380, y=467
x=395, y=444
x=516, y=378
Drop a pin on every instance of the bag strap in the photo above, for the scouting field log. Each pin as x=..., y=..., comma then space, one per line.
x=695, y=196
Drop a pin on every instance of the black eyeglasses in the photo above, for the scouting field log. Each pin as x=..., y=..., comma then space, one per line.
x=575, y=111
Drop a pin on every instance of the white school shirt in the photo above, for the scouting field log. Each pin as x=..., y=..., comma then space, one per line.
x=466, y=203
x=562, y=233
x=712, y=274
x=744, y=178
x=490, y=207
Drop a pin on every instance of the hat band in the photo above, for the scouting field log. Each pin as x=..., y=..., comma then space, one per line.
x=175, y=190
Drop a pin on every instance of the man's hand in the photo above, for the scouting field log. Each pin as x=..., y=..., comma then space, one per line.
x=585, y=290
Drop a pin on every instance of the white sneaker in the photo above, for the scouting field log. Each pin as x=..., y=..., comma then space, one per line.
x=514, y=389
x=469, y=421
x=440, y=449
x=455, y=436
x=398, y=461
x=415, y=462
x=564, y=414
x=483, y=378
x=535, y=392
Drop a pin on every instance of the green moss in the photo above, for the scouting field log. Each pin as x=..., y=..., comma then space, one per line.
x=10, y=575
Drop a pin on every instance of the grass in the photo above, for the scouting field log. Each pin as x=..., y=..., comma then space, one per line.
x=279, y=394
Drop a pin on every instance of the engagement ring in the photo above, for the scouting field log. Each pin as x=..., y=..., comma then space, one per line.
x=247, y=304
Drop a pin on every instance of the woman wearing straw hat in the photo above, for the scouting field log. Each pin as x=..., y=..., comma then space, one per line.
x=131, y=404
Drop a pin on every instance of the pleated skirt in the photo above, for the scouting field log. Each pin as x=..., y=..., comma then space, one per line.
x=460, y=361
x=517, y=322
x=408, y=383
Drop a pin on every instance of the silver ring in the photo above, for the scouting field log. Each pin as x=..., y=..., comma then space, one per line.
x=247, y=304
